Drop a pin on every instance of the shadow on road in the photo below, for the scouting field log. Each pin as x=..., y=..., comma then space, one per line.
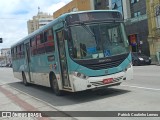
x=46, y=94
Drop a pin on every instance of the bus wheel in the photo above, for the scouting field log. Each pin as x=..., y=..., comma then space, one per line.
x=54, y=85
x=24, y=80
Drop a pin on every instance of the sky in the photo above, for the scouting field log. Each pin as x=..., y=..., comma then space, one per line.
x=14, y=15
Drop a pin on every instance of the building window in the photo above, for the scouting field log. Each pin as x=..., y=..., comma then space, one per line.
x=136, y=14
x=134, y=1
x=158, y=21
x=98, y=2
x=157, y=15
x=117, y=5
x=74, y=9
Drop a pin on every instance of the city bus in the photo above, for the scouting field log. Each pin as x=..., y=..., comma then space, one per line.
x=75, y=52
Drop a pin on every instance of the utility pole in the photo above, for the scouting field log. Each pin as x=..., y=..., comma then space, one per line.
x=1, y=40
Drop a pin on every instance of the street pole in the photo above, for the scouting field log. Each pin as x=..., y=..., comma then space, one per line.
x=1, y=40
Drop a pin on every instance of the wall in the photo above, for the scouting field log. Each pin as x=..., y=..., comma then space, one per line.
x=154, y=32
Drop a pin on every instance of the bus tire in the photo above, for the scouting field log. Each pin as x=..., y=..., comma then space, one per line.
x=24, y=79
x=54, y=85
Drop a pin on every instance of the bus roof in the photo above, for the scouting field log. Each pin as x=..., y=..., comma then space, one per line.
x=60, y=18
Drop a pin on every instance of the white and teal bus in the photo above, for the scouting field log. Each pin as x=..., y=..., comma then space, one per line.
x=75, y=52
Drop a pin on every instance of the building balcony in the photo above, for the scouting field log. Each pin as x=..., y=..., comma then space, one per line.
x=135, y=19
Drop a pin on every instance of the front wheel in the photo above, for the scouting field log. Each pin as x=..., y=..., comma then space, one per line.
x=54, y=85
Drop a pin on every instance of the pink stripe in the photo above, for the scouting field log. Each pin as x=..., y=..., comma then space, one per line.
x=20, y=102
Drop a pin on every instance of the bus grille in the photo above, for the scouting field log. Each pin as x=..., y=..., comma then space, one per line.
x=104, y=65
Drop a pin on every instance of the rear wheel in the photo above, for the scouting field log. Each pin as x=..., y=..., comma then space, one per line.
x=24, y=80
x=54, y=85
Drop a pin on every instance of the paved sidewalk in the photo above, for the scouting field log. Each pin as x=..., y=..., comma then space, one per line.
x=15, y=100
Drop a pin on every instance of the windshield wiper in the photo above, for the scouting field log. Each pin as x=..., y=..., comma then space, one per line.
x=87, y=29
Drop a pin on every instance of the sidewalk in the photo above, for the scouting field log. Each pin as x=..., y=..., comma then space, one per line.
x=15, y=100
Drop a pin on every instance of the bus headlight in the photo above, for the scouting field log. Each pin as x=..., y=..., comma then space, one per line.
x=129, y=66
x=80, y=75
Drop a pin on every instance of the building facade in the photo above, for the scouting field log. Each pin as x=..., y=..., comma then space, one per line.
x=121, y=5
x=75, y=5
x=137, y=27
x=38, y=21
x=5, y=56
x=135, y=17
x=134, y=14
x=153, y=12
x=101, y=4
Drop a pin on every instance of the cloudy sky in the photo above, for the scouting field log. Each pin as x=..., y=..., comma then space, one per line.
x=15, y=13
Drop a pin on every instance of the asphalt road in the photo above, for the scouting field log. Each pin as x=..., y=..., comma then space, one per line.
x=140, y=94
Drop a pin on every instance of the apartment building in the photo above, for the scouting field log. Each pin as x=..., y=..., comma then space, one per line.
x=101, y=4
x=38, y=21
x=5, y=57
x=75, y=5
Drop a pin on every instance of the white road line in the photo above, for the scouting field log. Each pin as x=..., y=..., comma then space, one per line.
x=142, y=87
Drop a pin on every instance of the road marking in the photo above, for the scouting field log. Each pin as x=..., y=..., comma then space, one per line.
x=155, y=89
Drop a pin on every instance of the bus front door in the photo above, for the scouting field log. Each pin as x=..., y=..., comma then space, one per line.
x=63, y=60
x=28, y=61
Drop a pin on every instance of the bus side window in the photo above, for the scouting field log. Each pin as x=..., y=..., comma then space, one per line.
x=49, y=41
x=33, y=46
x=12, y=53
x=16, y=55
x=18, y=51
x=22, y=50
x=40, y=44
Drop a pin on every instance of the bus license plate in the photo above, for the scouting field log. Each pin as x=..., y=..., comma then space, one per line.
x=106, y=81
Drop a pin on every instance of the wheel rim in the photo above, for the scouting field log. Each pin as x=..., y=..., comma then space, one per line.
x=55, y=84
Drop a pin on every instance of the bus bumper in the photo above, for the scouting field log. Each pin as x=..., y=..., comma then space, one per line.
x=129, y=73
x=97, y=82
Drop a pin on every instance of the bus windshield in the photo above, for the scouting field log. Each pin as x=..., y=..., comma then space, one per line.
x=93, y=41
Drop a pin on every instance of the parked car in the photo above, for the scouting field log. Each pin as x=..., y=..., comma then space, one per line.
x=9, y=65
x=140, y=59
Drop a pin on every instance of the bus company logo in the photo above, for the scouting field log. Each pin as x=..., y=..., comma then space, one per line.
x=105, y=60
x=6, y=114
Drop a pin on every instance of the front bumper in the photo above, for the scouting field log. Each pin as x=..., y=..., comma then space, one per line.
x=96, y=82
